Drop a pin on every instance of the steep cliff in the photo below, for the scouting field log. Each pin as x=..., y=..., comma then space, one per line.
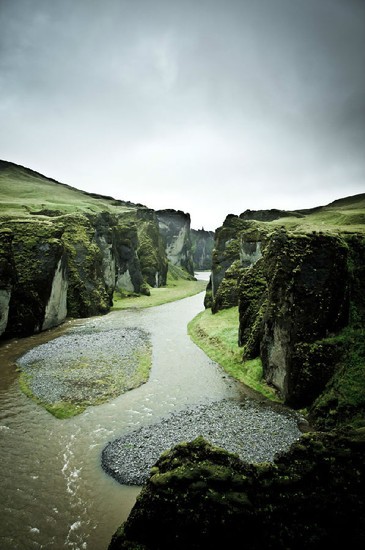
x=202, y=243
x=299, y=282
x=64, y=252
x=7, y=275
x=238, y=244
x=175, y=230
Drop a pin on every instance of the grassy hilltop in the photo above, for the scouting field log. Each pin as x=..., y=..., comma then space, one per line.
x=24, y=192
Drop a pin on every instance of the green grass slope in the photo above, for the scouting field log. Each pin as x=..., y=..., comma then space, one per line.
x=24, y=192
x=347, y=214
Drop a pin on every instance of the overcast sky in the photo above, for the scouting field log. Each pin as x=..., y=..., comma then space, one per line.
x=207, y=106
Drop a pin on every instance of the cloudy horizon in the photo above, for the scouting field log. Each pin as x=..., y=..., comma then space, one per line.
x=209, y=107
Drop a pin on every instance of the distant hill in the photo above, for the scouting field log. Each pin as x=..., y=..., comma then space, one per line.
x=24, y=191
x=348, y=212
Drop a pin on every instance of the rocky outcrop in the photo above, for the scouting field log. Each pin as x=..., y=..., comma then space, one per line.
x=200, y=497
x=298, y=290
x=292, y=304
x=202, y=248
x=151, y=248
x=307, y=301
x=268, y=215
x=175, y=230
x=238, y=245
x=70, y=265
x=7, y=275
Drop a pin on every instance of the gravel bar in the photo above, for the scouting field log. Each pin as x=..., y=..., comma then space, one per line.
x=254, y=431
x=85, y=365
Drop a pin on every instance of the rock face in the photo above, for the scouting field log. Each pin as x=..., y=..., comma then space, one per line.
x=307, y=300
x=202, y=248
x=297, y=291
x=238, y=244
x=7, y=275
x=63, y=265
x=175, y=230
x=292, y=303
x=202, y=497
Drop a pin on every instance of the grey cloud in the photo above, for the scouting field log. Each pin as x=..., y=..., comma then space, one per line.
x=259, y=98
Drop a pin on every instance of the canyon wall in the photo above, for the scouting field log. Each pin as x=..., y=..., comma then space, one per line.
x=175, y=230
x=298, y=289
x=202, y=248
x=70, y=265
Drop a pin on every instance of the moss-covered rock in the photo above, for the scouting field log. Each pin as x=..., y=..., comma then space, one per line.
x=343, y=398
x=307, y=300
x=88, y=294
x=175, y=231
x=202, y=244
x=253, y=293
x=71, y=264
x=227, y=293
x=7, y=275
x=238, y=245
x=151, y=249
x=201, y=497
x=36, y=253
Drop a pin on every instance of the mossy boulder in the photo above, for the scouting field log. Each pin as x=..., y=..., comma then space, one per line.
x=307, y=300
x=227, y=293
x=202, y=497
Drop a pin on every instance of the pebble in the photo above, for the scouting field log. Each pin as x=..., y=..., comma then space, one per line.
x=84, y=365
x=254, y=431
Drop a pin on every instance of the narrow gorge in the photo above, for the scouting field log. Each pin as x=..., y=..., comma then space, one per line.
x=261, y=438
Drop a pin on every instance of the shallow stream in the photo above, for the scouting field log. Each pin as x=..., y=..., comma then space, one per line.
x=54, y=493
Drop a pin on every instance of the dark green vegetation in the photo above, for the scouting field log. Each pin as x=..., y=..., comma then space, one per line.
x=298, y=283
x=202, y=497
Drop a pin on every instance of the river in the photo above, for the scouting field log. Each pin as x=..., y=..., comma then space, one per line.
x=54, y=493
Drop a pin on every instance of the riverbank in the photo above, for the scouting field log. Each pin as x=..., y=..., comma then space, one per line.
x=217, y=336
x=176, y=289
x=253, y=431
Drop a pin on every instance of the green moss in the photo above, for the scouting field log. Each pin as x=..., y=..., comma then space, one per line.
x=343, y=399
x=151, y=251
x=200, y=496
x=87, y=293
x=176, y=273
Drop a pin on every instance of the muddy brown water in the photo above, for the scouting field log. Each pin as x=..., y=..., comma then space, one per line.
x=54, y=493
